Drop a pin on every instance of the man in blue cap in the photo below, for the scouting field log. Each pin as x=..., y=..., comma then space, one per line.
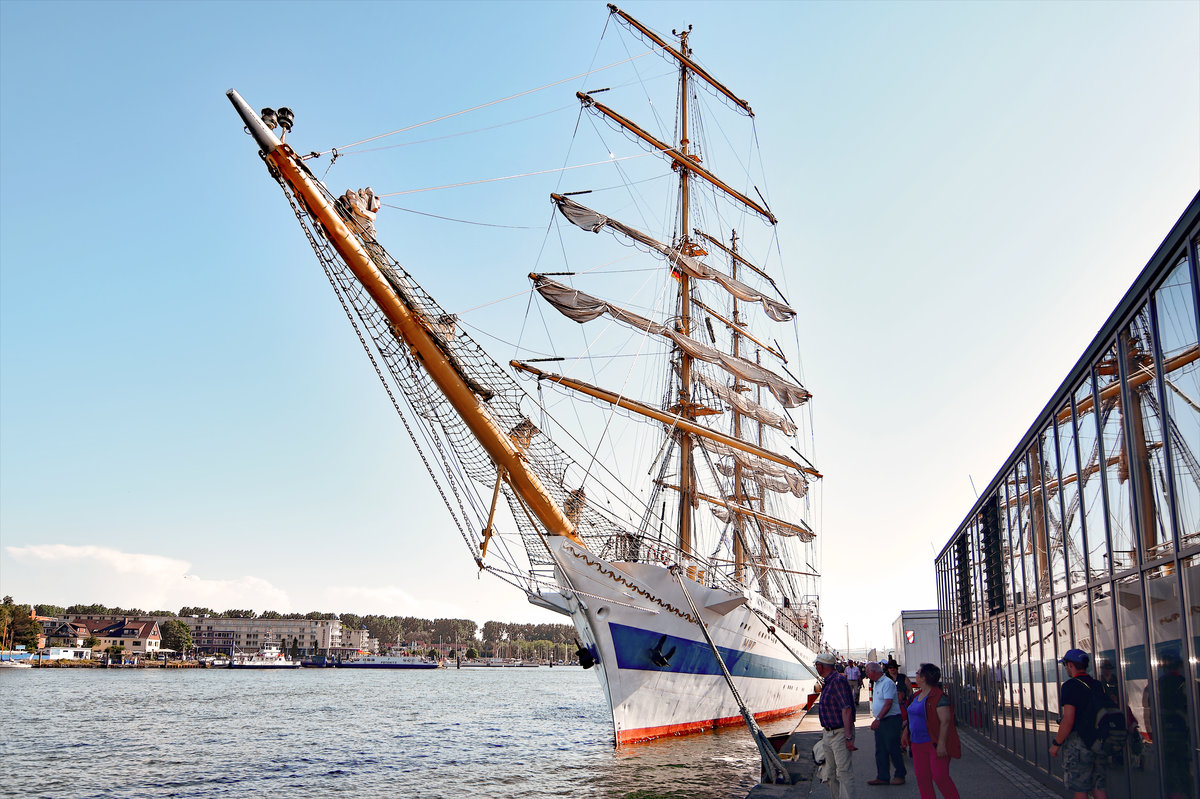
x=1078, y=701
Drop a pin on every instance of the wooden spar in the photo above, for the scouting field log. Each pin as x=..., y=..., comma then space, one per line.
x=769, y=568
x=675, y=155
x=739, y=259
x=1143, y=375
x=411, y=327
x=683, y=59
x=740, y=330
x=744, y=511
x=674, y=420
x=488, y=531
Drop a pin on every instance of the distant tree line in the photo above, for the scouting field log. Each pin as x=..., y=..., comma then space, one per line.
x=17, y=626
x=387, y=629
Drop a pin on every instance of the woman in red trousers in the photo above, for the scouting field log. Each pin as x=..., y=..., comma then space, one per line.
x=932, y=735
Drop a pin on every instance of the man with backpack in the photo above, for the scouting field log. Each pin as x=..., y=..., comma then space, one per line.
x=1079, y=700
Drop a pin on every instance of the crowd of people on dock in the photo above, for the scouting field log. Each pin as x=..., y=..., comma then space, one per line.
x=919, y=719
x=916, y=718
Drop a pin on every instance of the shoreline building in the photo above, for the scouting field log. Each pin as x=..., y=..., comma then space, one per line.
x=1089, y=538
x=916, y=639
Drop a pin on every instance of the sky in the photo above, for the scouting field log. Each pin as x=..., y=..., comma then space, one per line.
x=966, y=190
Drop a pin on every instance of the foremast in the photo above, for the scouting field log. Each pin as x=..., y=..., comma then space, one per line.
x=412, y=328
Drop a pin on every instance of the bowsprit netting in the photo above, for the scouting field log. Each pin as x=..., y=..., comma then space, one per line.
x=465, y=466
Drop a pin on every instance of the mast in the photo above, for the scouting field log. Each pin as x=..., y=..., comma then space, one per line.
x=686, y=484
x=415, y=330
x=739, y=546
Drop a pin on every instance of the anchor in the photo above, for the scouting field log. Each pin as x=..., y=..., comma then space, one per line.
x=585, y=656
x=658, y=657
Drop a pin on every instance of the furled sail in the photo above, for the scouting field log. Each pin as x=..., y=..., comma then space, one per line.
x=724, y=515
x=582, y=307
x=747, y=407
x=586, y=218
x=780, y=484
x=756, y=464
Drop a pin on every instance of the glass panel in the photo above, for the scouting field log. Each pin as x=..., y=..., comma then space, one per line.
x=1135, y=671
x=1072, y=522
x=1091, y=496
x=1171, y=683
x=1191, y=587
x=1045, y=691
x=1147, y=461
x=987, y=679
x=1003, y=680
x=1027, y=619
x=1104, y=654
x=1064, y=637
x=1038, y=524
x=1181, y=375
x=1115, y=464
x=1054, y=514
x=1013, y=527
x=1029, y=565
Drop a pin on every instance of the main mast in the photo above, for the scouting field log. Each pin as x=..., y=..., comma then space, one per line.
x=686, y=409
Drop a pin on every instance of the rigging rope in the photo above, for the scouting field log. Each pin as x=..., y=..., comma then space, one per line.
x=485, y=105
x=513, y=177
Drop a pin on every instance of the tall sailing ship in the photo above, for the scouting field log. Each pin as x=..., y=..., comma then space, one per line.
x=687, y=562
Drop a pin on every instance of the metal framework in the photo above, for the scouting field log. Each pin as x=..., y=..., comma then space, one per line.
x=1089, y=538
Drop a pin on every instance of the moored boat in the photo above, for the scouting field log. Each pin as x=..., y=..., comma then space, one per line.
x=389, y=662
x=269, y=657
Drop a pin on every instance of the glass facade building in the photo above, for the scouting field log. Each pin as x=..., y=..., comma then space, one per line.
x=1089, y=538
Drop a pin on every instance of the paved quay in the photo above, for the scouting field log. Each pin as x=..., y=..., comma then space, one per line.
x=980, y=772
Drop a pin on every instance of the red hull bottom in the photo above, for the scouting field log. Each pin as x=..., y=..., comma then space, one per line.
x=650, y=733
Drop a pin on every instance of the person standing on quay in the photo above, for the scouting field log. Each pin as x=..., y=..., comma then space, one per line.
x=854, y=677
x=1078, y=698
x=932, y=734
x=885, y=708
x=836, y=712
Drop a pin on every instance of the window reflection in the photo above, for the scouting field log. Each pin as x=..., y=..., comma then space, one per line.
x=1052, y=491
x=1030, y=553
x=1147, y=463
x=1191, y=587
x=1115, y=463
x=1039, y=523
x=1181, y=375
x=1091, y=498
x=1171, y=729
x=1134, y=667
x=1015, y=545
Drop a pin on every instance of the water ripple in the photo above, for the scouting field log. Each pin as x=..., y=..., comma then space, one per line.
x=492, y=733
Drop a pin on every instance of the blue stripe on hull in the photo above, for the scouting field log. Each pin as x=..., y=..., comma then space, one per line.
x=633, y=646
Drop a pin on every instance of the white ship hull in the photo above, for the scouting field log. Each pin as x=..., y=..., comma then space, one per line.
x=637, y=614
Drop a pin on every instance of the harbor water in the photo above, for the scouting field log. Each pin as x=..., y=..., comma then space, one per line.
x=481, y=732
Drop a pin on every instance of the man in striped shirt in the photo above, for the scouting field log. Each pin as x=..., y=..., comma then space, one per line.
x=836, y=712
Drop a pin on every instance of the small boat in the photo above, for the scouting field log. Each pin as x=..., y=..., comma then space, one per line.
x=390, y=662
x=15, y=664
x=499, y=664
x=216, y=662
x=318, y=662
x=269, y=657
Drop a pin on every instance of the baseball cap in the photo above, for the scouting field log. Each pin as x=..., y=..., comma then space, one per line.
x=1076, y=656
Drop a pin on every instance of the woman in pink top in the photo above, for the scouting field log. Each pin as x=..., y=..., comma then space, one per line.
x=932, y=734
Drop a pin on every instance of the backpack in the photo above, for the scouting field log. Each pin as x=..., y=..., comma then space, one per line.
x=1110, y=732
